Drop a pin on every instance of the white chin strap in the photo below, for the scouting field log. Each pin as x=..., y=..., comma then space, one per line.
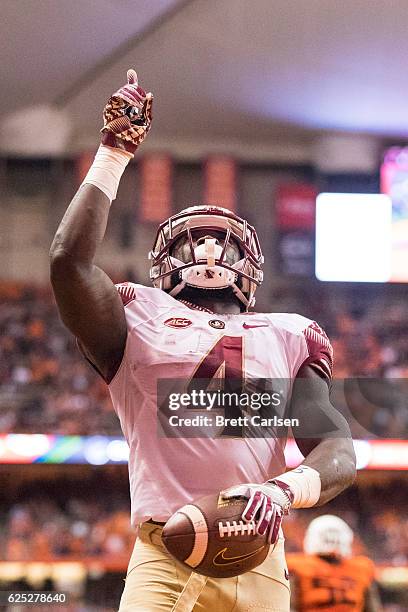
x=208, y=275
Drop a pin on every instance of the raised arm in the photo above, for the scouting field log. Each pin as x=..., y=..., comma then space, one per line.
x=87, y=300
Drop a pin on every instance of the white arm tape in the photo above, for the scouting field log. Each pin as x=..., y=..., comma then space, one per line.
x=305, y=484
x=107, y=169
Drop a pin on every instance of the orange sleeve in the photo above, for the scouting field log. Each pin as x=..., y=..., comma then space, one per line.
x=298, y=563
x=291, y=560
x=364, y=568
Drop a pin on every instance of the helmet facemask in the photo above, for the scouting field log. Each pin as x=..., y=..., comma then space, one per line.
x=207, y=248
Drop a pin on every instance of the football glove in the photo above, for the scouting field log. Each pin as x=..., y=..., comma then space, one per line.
x=267, y=504
x=127, y=117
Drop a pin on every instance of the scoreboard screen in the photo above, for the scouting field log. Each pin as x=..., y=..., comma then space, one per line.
x=359, y=239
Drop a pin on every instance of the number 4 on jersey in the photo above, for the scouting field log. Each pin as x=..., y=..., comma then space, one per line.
x=222, y=368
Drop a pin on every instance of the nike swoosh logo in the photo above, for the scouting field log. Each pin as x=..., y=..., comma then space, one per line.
x=220, y=559
x=246, y=326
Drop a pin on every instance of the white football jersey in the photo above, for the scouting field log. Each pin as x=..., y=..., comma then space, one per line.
x=167, y=339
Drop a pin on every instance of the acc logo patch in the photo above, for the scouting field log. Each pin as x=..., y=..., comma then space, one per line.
x=178, y=322
x=216, y=323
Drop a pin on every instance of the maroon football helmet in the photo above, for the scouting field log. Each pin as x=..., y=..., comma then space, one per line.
x=207, y=247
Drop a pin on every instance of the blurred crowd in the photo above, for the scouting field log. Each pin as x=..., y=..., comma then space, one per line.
x=66, y=517
x=45, y=384
x=74, y=526
x=373, y=344
x=40, y=530
x=47, y=387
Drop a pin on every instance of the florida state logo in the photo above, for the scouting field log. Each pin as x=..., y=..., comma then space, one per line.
x=216, y=323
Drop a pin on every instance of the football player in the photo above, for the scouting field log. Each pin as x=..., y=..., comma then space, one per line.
x=194, y=322
x=327, y=576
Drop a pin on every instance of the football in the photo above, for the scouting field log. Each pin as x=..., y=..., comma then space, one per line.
x=209, y=537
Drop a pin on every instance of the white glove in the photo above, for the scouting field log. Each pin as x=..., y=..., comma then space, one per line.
x=267, y=504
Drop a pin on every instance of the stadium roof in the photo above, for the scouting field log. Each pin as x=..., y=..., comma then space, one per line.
x=218, y=68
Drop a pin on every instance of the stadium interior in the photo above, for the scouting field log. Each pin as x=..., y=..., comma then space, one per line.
x=259, y=108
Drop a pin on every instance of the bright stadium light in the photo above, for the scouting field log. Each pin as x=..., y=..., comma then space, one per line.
x=353, y=237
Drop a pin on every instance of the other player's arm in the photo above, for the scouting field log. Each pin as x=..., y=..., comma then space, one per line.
x=372, y=601
x=87, y=300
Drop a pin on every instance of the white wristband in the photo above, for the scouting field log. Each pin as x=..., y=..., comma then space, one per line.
x=107, y=169
x=305, y=484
